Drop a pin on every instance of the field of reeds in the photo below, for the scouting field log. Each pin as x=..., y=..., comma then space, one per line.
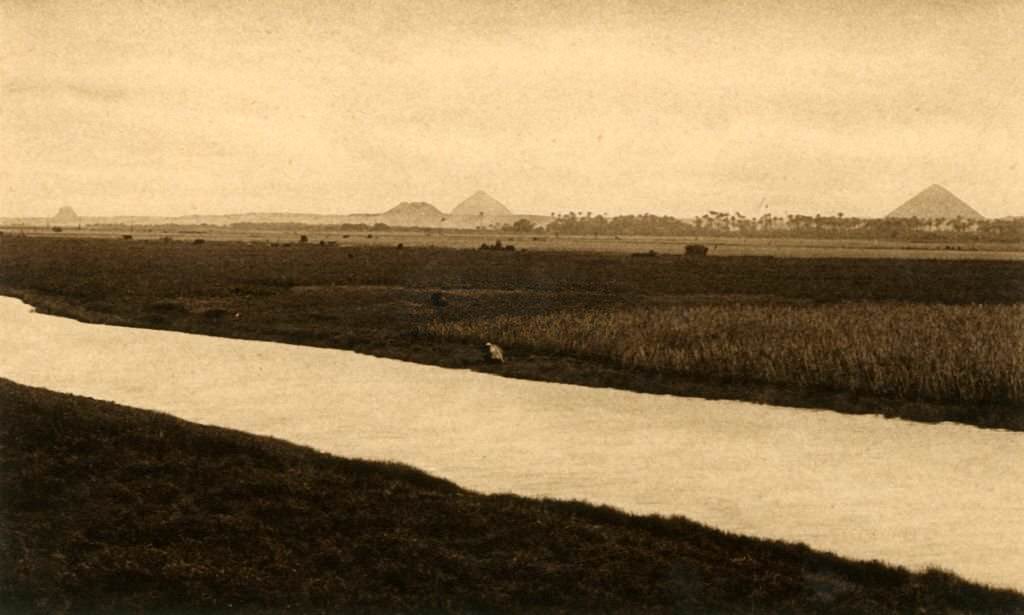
x=959, y=353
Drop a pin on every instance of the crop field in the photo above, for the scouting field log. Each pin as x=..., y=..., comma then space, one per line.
x=922, y=339
x=960, y=353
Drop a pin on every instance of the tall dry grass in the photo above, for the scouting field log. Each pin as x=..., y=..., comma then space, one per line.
x=950, y=353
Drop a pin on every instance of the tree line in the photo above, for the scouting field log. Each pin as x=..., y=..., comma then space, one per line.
x=838, y=226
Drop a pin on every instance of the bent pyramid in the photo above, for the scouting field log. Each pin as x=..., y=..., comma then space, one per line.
x=935, y=202
x=481, y=204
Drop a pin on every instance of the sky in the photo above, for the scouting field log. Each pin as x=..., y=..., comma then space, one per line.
x=672, y=108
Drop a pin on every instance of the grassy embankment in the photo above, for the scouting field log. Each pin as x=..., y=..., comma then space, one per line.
x=919, y=339
x=108, y=508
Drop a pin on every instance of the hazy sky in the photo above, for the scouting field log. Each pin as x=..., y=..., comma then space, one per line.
x=167, y=108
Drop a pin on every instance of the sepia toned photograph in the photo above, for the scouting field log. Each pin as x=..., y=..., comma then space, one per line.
x=482, y=306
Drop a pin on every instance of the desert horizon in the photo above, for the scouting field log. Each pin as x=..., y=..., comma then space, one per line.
x=673, y=109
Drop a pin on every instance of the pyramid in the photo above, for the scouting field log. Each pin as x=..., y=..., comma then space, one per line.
x=65, y=215
x=935, y=202
x=481, y=204
x=412, y=214
x=414, y=209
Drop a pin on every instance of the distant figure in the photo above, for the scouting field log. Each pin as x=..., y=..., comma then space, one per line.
x=493, y=353
x=438, y=299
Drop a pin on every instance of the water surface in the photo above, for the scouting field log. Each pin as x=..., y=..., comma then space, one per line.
x=865, y=487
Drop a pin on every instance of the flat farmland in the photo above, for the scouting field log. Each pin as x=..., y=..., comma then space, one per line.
x=922, y=339
x=719, y=246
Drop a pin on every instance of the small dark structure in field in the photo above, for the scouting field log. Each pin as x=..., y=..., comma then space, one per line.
x=695, y=249
x=126, y=236
x=493, y=353
x=497, y=245
x=57, y=229
x=303, y=239
x=647, y=254
x=438, y=299
x=369, y=236
x=400, y=246
x=199, y=242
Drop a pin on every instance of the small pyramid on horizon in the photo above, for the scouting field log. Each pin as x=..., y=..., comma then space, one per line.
x=65, y=215
x=481, y=204
x=935, y=202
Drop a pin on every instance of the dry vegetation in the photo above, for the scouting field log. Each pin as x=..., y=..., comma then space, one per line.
x=111, y=509
x=961, y=353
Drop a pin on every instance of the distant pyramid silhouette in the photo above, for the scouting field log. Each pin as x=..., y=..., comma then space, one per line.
x=66, y=215
x=935, y=202
x=418, y=208
x=480, y=204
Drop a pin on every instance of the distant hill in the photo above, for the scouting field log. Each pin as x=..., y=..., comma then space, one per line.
x=935, y=202
x=481, y=204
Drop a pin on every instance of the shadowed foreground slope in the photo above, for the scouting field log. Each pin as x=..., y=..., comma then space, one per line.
x=111, y=508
